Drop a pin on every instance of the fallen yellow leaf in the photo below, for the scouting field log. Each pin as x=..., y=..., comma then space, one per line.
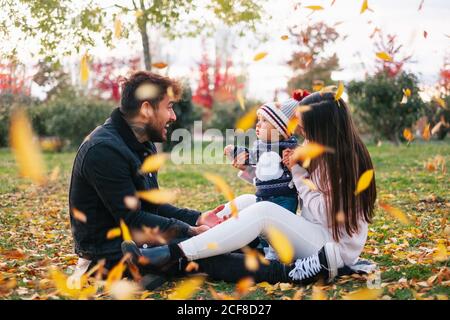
x=364, y=6
x=113, y=233
x=363, y=294
x=187, y=288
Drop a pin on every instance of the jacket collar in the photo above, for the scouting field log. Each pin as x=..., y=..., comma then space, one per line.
x=128, y=136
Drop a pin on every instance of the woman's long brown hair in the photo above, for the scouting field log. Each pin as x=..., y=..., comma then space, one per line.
x=328, y=122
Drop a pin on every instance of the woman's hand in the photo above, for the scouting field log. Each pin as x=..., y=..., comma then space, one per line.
x=288, y=161
x=240, y=160
x=210, y=218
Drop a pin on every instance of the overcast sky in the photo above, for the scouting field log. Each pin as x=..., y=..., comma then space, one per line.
x=399, y=17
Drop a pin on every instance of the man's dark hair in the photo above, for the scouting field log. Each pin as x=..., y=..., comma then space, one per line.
x=130, y=105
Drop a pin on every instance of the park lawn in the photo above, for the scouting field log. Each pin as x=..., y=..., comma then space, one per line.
x=35, y=220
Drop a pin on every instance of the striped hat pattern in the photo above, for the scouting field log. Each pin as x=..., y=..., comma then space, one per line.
x=279, y=114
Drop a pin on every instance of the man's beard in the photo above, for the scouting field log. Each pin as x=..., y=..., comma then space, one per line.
x=154, y=134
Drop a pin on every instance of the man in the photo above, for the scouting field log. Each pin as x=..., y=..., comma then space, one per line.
x=106, y=171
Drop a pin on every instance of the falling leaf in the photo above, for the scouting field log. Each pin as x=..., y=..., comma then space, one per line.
x=113, y=233
x=426, y=134
x=440, y=102
x=78, y=215
x=440, y=255
x=159, y=65
x=192, y=266
x=384, y=56
x=317, y=85
x=124, y=290
x=125, y=231
x=339, y=91
x=364, y=181
x=225, y=189
x=309, y=184
x=425, y=34
x=302, y=109
x=407, y=92
x=364, y=6
x=117, y=28
x=212, y=245
x=363, y=294
x=131, y=202
x=153, y=163
x=259, y=56
x=318, y=293
x=407, y=134
x=157, y=196
x=147, y=91
x=340, y=217
x=240, y=98
x=248, y=120
x=292, y=125
x=170, y=92
x=314, y=8
x=310, y=151
x=281, y=245
x=84, y=69
x=250, y=259
x=421, y=5
x=396, y=213
x=25, y=148
x=243, y=285
x=115, y=274
x=284, y=37
x=55, y=173
x=187, y=288
x=138, y=13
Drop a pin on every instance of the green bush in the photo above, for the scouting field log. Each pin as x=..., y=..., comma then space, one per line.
x=186, y=113
x=377, y=103
x=70, y=117
x=225, y=115
x=7, y=101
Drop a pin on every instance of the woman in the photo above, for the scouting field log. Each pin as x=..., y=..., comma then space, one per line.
x=329, y=234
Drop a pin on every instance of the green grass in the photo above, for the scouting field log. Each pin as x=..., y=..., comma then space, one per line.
x=35, y=220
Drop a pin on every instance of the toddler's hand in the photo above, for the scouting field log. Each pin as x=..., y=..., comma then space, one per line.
x=228, y=150
x=240, y=160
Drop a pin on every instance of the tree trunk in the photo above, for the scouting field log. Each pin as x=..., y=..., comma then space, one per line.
x=146, y=46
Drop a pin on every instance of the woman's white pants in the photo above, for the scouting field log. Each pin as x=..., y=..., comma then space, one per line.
x=253, y=219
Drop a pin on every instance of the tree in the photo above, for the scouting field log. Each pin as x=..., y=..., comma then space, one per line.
x=311, y=67
x=64, y=27
x=378, y=102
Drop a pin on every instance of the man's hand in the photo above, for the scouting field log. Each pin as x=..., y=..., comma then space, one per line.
x=288, y=161
x=193, y=231
x=210, y=218
x=239, y=161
